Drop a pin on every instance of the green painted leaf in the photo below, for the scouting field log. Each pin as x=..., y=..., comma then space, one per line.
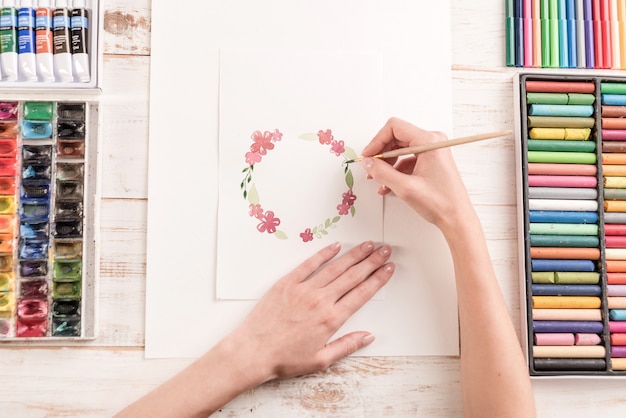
x=324, y=232
x=349, y=179
x=245, y=194
x=336, y=219
x=253, y=196
x=308, y=137
x=241, y=185
x=349, y=153
x=352, y=210
x=327, y=223
x=314, y=231
x=280, y=234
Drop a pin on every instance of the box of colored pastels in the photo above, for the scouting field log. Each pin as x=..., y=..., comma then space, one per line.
x=48, y=223
x=571, y=155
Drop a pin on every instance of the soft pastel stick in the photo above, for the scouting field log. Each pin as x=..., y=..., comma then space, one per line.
x=621, y=13
x=581, y=338
x=570, y=15
x=607, y=51
x=562, y=181
x=616, y=278
x=564, y=240
x=614, y=194
x=613, y=146
x=565, y=253
x=611, y=87
x=615, y=266
x=536, y=27
x=614, y=111
x=564, y=193
x=563, y=35
x=614, y=134
x=562, y=265
x=554, y=338
x=563, y=169
x=616, y=290
x=567, y=314
x=541, y=289
x=561, y=157
x=615, y=229
x=528, y=33
x=598, y=35
x=613, y=123
x=519, y=33
x=560, y=110
x=614, y=170
x=589, y=34
x=614, y=218
x=542, y=86
x=561, y=122
x=614, y=99
x=615, y=253
x=570, y=364
x=615, y=182
x=613, y=158
x=581, y=59
x=618, y=339
x=572, y=134
x=576, y=351
x=617, y=326
x=568, y=326
x=573, y=277
x=546, y=54
x=616, y=302
x=615, y=241
x=615, y=205
x=618, y=364
x=563, y=229
x=560, y=146
x=563, y=204
x=555, y=47
x=618, y=351
x=617, y=314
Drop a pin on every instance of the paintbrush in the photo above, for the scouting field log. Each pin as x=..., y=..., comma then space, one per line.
x=435, y=145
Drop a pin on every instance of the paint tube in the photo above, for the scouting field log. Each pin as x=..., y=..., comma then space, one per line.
x=8, y=40
x=26, y=41
x=80, y=31
x=43, y=41
x=62, y=57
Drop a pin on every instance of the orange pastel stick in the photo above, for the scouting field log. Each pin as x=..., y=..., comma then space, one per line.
x=613, y=158
x=616, y=278
x=564, y=253
x=618, y=339
x=615, y=266
x=614, y=123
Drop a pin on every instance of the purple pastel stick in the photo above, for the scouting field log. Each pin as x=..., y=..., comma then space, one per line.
x=568, y=326
x=590, y=53
x=618, y=351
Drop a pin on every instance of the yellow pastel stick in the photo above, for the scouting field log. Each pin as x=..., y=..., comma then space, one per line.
x=564, y=351
x=614, y=170
x=560, y=302
x=615, y=182
x=580, y=134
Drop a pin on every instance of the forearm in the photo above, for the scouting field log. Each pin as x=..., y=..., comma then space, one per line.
x=493, y=370
x=203, y=387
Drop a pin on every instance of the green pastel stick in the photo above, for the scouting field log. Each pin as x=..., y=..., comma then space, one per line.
x=575, y=277
x=554, y=34
x=613, y=88
x=615, y=194
x=542, y=277
x=561, y=157
x=563, y=229
x=581, y=98
x=510, y=33
x=574, y=241
x=546, y=56
x=560, y=122
x=561, y=146
x=547, y=98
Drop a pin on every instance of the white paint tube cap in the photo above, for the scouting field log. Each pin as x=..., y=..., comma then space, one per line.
x=43, y=3
x=8, y=3
x=61, y=4
x=26, y=3
x=79, y=4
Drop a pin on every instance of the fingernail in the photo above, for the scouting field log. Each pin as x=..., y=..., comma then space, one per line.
x=368, y=163
x=385, y=251
x=367, y=246
x=368, y=339
x=335, y=245
x=389, y=268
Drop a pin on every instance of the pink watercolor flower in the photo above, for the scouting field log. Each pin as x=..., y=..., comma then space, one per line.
x=348, y=198
x=256, y=211
x=343, y=209
x=307, y=235
x=253, y=158
x=262, y=142
x=268, y=223
x=337, y=147
x=277, y=135
x=325, y=137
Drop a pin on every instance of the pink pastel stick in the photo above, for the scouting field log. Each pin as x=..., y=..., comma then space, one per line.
x=554, y=338
x=617, y=326
x=587, y=339
x=562, y=181
x=562, y=169
x=614, y=134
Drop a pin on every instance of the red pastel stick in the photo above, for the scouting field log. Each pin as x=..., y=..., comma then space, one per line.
x=615, y=229
x=615, y=241
x=597, y=34
x=607, y=46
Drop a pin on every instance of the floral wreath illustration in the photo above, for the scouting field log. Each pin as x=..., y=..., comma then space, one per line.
x=268, y=222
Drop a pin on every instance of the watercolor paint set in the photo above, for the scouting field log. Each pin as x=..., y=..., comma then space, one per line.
x=50, y=44
x=571, y=168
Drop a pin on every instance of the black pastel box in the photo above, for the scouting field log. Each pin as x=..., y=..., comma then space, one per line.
x=570, y=138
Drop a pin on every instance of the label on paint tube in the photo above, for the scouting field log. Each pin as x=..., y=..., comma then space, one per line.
x=25, y=30
x=79, y=24
x=8, y=23
x=43, y=28
x=61, y=27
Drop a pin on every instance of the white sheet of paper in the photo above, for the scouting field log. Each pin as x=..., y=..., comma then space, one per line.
x=418, y=314
x=300, y=182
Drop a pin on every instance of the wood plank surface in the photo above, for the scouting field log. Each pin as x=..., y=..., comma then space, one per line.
x=98, y=378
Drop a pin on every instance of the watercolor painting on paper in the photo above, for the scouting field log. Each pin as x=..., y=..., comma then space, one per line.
x=287, y=125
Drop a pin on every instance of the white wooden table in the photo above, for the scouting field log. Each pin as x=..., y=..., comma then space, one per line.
x=99, y=378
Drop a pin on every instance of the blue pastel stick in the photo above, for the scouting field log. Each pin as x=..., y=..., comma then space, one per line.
x=561, y=265
x=617, y=314
x=614, y=99
x=571, y=33
x=590, y=49
x=592, y=327
x=563, y=36
x=548, y=216
x=566, y=290
x=560, y=110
